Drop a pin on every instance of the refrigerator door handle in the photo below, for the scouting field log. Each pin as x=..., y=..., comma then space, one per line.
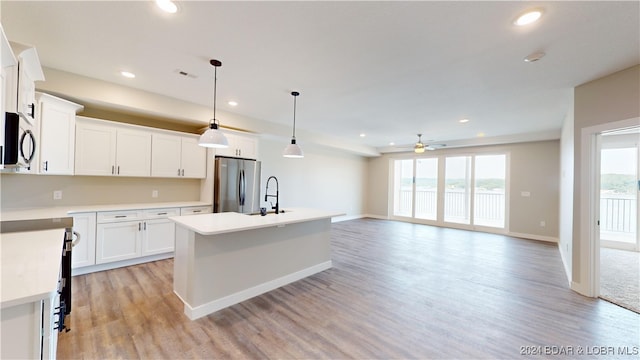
x=243, y=188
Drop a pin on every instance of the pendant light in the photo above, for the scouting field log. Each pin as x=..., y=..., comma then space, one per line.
x=293, y=150
x=213, y=137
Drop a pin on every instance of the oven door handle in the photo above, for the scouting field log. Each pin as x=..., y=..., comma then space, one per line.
x=77, y=240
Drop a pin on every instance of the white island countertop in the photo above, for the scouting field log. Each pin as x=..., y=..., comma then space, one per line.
x=30, y=265
x=227, y=222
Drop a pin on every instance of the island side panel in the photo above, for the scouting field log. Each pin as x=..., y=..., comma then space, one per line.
x=183, y=263
x=228, y=264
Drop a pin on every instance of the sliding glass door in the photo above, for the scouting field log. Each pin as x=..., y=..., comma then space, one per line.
x=457, y=191
x=416, y=188
x=471, y=190
x=489, y=189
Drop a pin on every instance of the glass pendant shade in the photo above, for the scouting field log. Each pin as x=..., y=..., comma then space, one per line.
x=293, y=150
x=213, y=138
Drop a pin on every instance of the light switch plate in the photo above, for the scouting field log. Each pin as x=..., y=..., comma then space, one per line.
x=57, y=195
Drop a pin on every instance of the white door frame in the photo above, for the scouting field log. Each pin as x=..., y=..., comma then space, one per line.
x=590, y=195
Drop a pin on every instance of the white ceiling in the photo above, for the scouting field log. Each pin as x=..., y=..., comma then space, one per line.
x=386, y=69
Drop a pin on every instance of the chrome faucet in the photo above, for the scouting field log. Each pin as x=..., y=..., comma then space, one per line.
x=267, y=196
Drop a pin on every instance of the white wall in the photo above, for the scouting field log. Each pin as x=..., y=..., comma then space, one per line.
x=324, y=178
x=607, y=100
x=566, y=191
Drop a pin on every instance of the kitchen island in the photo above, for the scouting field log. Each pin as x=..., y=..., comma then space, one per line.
x=225, y=258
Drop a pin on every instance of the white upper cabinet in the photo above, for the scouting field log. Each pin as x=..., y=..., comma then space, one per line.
x=111, y=150
x=21, y=80
x=7, y=60
x=240, y=146
x=177, y=156
x=57, y=123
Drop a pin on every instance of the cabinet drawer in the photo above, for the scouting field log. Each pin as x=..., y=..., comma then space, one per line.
x=116, y=216
x=161, y=213
x=195, y=210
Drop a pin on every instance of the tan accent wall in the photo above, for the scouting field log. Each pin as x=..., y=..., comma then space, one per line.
x=19, y=191
x=533, y=167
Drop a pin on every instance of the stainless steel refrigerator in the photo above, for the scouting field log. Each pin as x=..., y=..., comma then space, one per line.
x=236, y=185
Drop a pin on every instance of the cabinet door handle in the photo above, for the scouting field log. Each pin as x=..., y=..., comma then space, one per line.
x=197, y=211
x=120, y=216
x=139, y=226
x=32, y=106
x=182, y=172
x=145, y=225
x=46, y=165
x=178, y=172
x=118, y=169
x=113, y=169
x=162, y=213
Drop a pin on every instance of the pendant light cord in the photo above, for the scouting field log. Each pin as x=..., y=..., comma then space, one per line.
x=295, y=95
x=294, y=116
x=215, y=82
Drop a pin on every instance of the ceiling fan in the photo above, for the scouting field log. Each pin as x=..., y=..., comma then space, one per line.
x=420, y=147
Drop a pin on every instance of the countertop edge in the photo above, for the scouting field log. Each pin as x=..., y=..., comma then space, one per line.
x=64, y=211
x=254, y=226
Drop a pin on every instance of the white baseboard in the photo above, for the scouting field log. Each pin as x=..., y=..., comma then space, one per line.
x=118, y=264
x=346, y=218
x=380, y=217
x=219, y=304
x=533, y=237
x=565, y=264
x=580, y=289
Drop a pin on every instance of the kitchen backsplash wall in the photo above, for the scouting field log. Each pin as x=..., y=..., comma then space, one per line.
x=20, y=191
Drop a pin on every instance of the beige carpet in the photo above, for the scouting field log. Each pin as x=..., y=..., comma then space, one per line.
x=620, y=277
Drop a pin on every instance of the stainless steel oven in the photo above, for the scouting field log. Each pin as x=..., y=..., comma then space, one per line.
x=19, y=144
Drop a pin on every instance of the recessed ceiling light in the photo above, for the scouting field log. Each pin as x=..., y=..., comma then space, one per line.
x=462, y=121
x=232, y=103
x=167, y=6
x=127, y=74
x=391, y=143
x=363, y=135
x=528, y=17
x=480, y=134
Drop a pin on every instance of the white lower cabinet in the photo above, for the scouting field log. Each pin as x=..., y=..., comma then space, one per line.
x=84, y=243
x=195, y=210
x=110, y=239
x=118, y=241
x=123, y=235
x=158, y=231
x=118, y=235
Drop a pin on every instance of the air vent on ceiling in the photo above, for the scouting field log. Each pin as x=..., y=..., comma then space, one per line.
x=185, y=74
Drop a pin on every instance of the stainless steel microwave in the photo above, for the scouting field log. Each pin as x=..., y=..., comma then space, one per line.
x=19, y=146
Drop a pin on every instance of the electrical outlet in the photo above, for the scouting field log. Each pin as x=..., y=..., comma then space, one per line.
x=57, y=195
x=525, y=193
x=154, y=193
x=543, y=223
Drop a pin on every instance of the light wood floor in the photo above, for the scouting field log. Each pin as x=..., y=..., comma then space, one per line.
x=397, y=290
